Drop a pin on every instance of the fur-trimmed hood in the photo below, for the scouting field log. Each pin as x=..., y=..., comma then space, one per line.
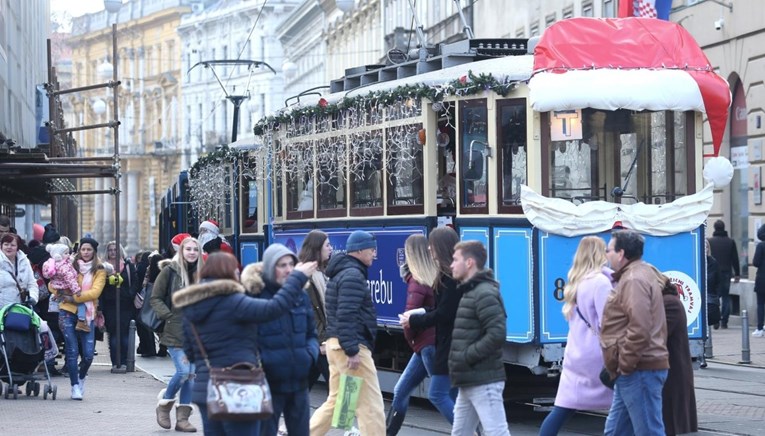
x=252, y=278
x=202, y=291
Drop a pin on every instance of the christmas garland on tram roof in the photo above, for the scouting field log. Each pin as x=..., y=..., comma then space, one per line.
x=221, y=155
x=469, y=84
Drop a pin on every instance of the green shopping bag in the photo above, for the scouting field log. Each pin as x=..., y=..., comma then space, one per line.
x=347, y=397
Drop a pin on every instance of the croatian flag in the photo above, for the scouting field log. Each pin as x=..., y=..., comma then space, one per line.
x=645, y=8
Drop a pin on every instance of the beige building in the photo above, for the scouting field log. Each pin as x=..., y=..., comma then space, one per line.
x=149, y=67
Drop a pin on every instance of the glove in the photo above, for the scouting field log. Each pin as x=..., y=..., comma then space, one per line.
x=116, y=280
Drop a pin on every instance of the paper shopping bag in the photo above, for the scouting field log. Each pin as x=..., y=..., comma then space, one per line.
x=347, y=397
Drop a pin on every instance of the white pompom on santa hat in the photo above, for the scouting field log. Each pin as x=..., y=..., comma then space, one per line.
x=210, y=226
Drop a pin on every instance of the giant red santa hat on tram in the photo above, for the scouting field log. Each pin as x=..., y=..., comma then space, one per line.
x=660, y=58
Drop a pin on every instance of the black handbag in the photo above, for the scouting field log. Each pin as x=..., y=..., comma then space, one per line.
x=238, y=392
x=148, y=316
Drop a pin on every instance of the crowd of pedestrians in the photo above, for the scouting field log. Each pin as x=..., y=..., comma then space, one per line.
x=311, y=314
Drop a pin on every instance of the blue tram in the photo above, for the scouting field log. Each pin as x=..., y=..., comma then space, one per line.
x=513, y=144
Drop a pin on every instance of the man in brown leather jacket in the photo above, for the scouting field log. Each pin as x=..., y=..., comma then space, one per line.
x=633, y=337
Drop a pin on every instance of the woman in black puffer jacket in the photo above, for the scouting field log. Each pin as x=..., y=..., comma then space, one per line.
x=226, y=320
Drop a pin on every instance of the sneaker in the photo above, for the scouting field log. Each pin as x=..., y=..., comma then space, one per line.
x=77, y=393
x=758, y=333
x=82, y=385
x=82, y=326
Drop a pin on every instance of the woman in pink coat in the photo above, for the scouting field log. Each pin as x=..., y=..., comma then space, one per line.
x=585, y=294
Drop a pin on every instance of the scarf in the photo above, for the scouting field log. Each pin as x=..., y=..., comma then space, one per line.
x=86, y=270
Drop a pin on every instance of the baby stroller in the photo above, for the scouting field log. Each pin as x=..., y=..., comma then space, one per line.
x=23, y=352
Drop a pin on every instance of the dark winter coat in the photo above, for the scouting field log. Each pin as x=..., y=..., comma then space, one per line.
x=725, y=252
x=419, y=295
x=448, y=298
x=351, y=315
x=168, y=282
x=713, y=279
x=759, y=262
x=125, y=292
x=479, y=333
x=226, y=320
x=678, y=397
x=288, y=344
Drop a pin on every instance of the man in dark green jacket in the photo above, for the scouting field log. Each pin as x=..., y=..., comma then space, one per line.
x=475, y=358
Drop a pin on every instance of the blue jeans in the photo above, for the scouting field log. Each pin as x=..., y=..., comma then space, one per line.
x=555, y=421
x=636, y=408
x=296, y=409
x=226, y=428
x=81, y=311
x=420, y=366
x=182, y=380
x=74, y=342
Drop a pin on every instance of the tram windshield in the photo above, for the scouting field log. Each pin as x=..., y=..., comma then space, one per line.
x=621, y=155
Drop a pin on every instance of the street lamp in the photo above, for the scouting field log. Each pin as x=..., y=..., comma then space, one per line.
x=345, y=5
x=112, y=6
x=105, y=70
x=290, y=70
x=99, y=107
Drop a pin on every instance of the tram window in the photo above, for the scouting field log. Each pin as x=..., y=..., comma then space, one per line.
x=331, y=181
x=473, y=121
x=298, y=166
x=621, y=155
x=404, y=153
x=249, y=205
x=366, y=172
x=511, y=138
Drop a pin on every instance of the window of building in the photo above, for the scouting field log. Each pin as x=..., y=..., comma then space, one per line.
x=587, y=10
x=550, y=19
x=534, y=29
x=609, y=8
x=568, y=12
x=520, y=32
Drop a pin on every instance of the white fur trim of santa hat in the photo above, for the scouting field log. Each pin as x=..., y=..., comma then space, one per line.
x=210, y=226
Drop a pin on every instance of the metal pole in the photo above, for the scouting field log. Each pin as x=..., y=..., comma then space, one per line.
x=115, y=92
x=131, y=347
x=745, y=338
x=708, y=351
x=237, y=100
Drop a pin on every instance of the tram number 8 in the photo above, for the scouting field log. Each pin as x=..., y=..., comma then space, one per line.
x=560, y=284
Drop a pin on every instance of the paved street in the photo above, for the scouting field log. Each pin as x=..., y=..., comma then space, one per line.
x=730, y=400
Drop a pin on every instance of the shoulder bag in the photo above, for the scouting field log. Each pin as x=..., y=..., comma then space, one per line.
x=148, y=316
x=238, y=392
x=604, y=376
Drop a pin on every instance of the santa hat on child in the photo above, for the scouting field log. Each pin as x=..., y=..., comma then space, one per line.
x=210, y=226
x=177, y=239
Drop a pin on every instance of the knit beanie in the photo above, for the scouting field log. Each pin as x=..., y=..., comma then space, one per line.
x=360, y=240
x=271, y=256
x=57, y=251
x=50, y=235
x=92, y=242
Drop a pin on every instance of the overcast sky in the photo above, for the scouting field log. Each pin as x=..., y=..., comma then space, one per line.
x=63, y=10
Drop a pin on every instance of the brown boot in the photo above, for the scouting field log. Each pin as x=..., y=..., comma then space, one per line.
x=182, y=413
x=82, y=326
x=164, y=406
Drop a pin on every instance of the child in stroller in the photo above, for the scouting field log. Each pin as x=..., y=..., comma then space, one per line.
x=23, y=351
x=60, y=270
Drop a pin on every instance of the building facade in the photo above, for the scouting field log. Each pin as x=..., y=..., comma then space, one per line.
x=23, y=29
x=229, y=30
x=150, y=147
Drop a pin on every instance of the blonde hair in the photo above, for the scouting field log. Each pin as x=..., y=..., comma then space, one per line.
x=590, y=258
x=186, y=280
x=421, y=264
x=122, y=253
